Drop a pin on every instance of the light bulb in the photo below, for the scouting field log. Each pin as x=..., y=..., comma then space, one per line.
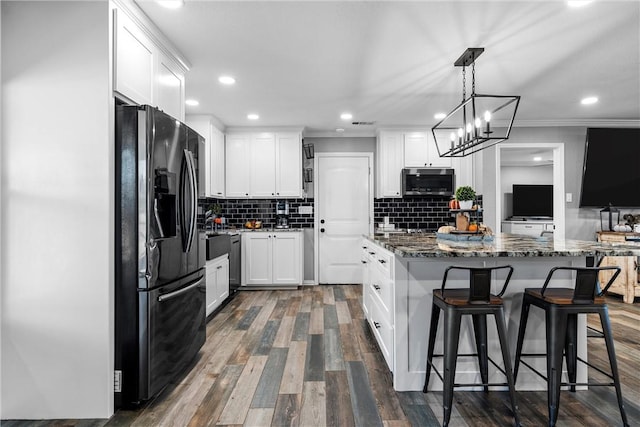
x=478, y=122
x=487, y=116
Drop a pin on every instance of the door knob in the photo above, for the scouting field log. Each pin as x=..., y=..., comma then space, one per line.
x=322, y=221
x=322, y=230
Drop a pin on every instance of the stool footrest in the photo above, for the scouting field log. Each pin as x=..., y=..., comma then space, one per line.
x=606, y=374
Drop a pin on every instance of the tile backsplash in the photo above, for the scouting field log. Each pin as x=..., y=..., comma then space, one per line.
x=239, y=211
x=425, y=213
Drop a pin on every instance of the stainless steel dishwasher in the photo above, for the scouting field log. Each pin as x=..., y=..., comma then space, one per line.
x=234, y=264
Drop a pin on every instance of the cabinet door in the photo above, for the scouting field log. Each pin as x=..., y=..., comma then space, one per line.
x=216, y=174
x=415, y=150
x=256, y=248
x=263, y=161
x=134, y=57
x=390, y=163
x=287, y=258
x=288, y=165
x=433, y=157
x=237, y=169
x=169, y=82
x=222, y=281
x=203, y=127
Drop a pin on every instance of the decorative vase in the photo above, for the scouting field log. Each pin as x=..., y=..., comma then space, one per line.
x=466, y=204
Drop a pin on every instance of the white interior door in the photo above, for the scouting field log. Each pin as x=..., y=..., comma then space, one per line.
x=344, y=212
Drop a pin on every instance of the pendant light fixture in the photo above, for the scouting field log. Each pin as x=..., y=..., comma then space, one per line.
x=479, y=122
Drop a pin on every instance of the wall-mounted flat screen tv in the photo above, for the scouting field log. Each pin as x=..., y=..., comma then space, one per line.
x=533, y=201
x=611, y=172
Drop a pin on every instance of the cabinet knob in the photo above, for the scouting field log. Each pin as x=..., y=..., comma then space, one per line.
x=322, y=221
x=363, y=261
x=372, y=253
x=322, y=230
x=381, y=261
x=376, y=287
x=376, y=324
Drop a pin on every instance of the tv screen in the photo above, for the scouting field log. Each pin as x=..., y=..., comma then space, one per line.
x=611, y=172
x=534, y=201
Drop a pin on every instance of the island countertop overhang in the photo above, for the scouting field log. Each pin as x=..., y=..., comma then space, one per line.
x=503, y=245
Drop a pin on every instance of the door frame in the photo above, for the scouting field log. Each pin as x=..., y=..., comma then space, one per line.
x=316, y=217
x=558, y=183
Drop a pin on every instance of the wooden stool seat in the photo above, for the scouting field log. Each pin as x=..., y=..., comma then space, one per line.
x=560, y=296
x=460, y=297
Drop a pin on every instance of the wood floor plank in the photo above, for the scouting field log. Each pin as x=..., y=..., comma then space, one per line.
x=287, y=411
x=279, y=309
x=313, y=411
x=305, y=304
x=259, y=417
x=293, y=375
x=283, y=337
x=237, y=406
x=314, y=366
x=338, y=401
x=294, y=306
x=355, y=307
x=222, y=353
x=248, y=318
x=333, y=360
x=266, y=392
x=344, y=315
x=327, y=297
x=349, y=341
x=265, y=343
x=301, y=327
x=365, y=411
x=338, y=293
x=216, y=398
x=381, y=382
x=316, y=322
x=330, y=317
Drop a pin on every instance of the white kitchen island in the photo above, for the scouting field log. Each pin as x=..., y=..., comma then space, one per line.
x=400, y=272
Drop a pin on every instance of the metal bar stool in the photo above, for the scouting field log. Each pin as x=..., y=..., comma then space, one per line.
x=477, y=301
x=561, y=307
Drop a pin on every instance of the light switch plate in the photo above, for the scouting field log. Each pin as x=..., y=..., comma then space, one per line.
x=305, y=210
x=569, y=197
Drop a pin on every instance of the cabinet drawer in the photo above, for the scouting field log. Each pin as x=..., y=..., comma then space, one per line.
x=382, y=289
x=383, y=262
x=529, y=229
x=382, y=329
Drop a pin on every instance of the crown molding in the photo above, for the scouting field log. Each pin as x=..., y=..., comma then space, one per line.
x=578, y=122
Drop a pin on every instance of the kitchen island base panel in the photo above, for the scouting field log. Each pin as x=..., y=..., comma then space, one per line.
x=415, y=279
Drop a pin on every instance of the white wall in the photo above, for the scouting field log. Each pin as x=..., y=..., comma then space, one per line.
x=580, y=223
x=56, y=190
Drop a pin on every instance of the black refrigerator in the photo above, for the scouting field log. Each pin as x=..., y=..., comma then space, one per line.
x=160, y=257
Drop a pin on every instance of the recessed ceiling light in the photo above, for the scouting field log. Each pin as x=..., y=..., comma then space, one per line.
x=537, y=159
x=192, y=102
x=339, y=130
x=439, y=116
x=253, y=116
x=589, y=100
x=171, y=4
x=346, y=116
x=578, y=3
x=226, y=80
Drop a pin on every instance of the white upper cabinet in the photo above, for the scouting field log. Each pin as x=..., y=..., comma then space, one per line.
x=133, y=60
x=288, y=164
x=263, y=165
x=213, y=180
x=262, y=168
x=390, y=163
x=145, y=72
x=420, y=151
x=217, y=172
x=237, y=151
x=169, y=87
x=416, y=152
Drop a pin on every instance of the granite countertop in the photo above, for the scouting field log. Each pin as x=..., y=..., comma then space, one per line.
x=504, y=245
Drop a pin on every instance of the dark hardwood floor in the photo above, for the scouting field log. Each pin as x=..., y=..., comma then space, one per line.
x=307, y=358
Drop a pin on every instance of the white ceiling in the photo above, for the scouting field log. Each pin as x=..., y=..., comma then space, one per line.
x=303, y=63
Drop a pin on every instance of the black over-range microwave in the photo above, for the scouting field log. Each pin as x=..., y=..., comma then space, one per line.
x=428, y=182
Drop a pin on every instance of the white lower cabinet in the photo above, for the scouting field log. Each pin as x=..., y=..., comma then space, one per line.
x=378, y=296
x=217, y=282
x=529, y=228
x=271, y=258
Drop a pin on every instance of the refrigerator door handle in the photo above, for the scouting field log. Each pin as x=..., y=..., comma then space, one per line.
x=194, y=197
x=174, y=294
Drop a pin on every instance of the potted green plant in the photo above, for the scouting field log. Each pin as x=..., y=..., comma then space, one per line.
x=465, y=196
